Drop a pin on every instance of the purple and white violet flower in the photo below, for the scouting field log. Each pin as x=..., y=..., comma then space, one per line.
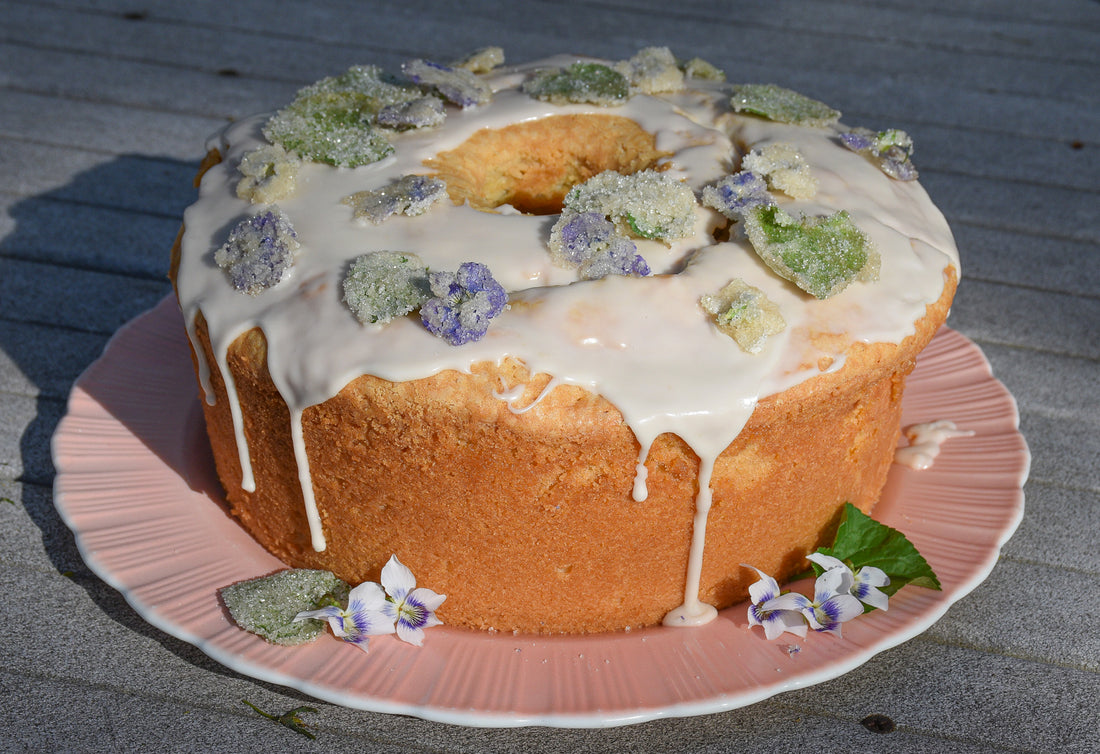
x=397, y=606
x=777, y=613
x=833, y=602
x=865, y=582
x=412, y=609
x=365, y=615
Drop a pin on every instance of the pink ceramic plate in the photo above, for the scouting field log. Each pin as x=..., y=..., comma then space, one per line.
x=135, y=482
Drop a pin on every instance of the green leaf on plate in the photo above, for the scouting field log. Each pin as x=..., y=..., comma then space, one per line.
x=862, y=541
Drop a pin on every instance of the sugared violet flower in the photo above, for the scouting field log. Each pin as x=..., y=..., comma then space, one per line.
x=259, y=251
x=412, y=195
x=425, y=112
x=736, y=193
x=458, y=85
x=464, y=302
x=593, y=245
x=890, y=150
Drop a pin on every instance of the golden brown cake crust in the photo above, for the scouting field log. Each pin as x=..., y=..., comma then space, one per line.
x=526, y=521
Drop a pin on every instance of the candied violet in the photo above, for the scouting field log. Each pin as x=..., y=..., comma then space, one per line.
x=592, y=244
x=890, y=150
x=412, y=195
x=782, y=105
x=382, y=285
x=464, y=302
x=259, y=251
x=425, y=112
x=736, y=193
x=648, y=203
x=591, y=83
x=457, y=85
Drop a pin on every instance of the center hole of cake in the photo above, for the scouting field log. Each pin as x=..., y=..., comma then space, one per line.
x=532, y=165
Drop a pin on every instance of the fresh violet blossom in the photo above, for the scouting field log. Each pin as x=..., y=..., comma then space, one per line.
x=364, y=616
x=832, y=603
x=865, y=582
x=777, y=613
x=412, y=609
x=463, y=303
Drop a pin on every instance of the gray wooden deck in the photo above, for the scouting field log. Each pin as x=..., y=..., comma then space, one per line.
x=104, y=108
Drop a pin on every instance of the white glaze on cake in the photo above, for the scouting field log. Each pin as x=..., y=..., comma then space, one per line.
x=643, y=343
x=925, y=443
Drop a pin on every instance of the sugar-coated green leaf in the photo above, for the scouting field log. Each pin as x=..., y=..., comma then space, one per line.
x=862, y=541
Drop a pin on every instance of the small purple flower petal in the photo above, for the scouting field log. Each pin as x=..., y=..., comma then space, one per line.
x=457, y=85
x=776, y=613
x=425, y=112
x=828, y=615
x=858, y=140
x=410, y=608
x=464, y=303
x=411, y=195
x=259, y=251
x=890, y=150
x=364, y=616
x=592, y=244
x=736, y=193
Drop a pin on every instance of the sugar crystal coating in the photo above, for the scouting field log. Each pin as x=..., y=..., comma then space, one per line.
x=648, y=203
x=697, y=68
x=735, y=193
x=745, y=313
x=333, y=120
x=412, y=195
x=267, y=605
x=457, y=85
x=821, y=255
x=259, y=251
x=269, y=173
x=382, y=285
x=424, y=112
x=890, y=150
x=463, y=303
x=593, y=245
x=653, y=70
x=784, y=168
x=591, y=83
x=782, y=105
x=482, y=60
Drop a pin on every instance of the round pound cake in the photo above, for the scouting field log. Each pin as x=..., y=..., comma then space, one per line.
x=575, y=340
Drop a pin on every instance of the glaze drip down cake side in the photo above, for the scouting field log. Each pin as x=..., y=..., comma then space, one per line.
x=575, y=340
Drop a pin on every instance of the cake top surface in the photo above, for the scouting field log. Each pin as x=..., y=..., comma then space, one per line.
x=644, y=339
